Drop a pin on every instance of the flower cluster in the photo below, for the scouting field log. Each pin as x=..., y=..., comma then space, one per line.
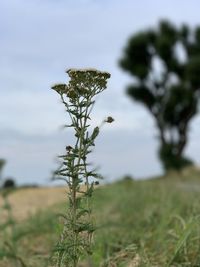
x=83, y=82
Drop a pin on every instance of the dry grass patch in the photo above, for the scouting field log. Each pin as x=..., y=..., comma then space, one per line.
x=28, y=201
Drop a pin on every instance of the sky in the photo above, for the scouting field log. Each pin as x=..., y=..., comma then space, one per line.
x=39, y=40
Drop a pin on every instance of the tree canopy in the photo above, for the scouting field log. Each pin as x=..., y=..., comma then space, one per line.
x=2, y=163
x=165, y=64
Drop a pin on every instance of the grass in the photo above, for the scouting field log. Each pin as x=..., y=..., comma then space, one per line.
x=140, y=223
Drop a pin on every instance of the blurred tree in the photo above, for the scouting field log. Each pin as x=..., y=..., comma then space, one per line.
x=9, y=183
x=2, y=163
x=165, y=64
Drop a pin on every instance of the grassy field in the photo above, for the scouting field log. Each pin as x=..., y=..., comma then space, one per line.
x=151, y=223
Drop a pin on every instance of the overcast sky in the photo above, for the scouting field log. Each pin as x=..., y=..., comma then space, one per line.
x=39, y=40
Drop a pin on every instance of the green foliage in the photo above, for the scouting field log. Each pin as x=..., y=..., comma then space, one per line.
x=78, y=96
x=9, y=248
x=170, y=160
x=151, y=223
x=9, y=183
x=165, y=63
x=2, y=164
x=158, y=219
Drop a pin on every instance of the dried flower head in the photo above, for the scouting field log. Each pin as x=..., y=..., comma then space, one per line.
x=88, y=71
x=109, y=119
x=83, y=82
x=60, y=88
x=69, y=148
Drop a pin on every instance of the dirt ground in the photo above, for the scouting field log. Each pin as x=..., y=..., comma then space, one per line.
x=27, y=201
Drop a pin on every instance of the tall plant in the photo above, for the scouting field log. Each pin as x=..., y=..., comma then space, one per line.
x=78, y=96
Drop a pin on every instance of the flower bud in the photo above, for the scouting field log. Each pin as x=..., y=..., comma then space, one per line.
x=109, y=119
x=69, y=148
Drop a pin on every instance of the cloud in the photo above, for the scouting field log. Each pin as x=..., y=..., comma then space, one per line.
x=31, y=158
x=39, y=40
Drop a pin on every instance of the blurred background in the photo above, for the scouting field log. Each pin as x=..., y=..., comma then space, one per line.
x=40, y=39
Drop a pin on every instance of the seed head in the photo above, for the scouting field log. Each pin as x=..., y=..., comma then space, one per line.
x=69, y=148
x=84, y=81
x=60, y=88
x=109, y=119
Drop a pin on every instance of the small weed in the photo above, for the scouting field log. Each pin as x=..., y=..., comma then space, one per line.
x=8, y=233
